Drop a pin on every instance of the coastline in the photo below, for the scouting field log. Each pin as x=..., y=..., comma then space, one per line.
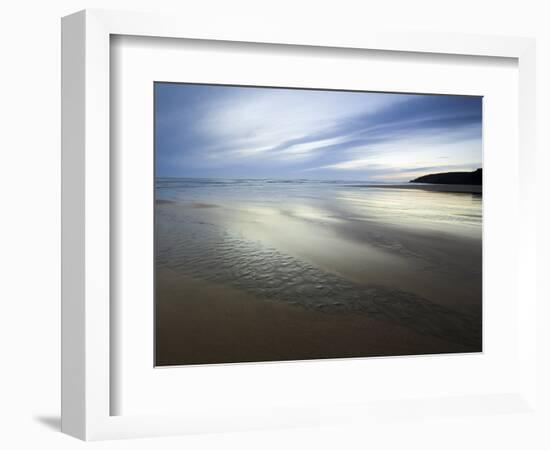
x=335, y=277
x=450, y=188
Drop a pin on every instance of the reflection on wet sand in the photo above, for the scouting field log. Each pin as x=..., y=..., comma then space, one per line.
x=407, y=260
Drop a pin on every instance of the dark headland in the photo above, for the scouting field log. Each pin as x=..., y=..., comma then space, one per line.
x=464, y=178
x=455, y=182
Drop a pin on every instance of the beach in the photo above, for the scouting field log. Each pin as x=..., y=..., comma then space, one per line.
x=270, y=270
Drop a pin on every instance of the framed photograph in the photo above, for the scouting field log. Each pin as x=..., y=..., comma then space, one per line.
x=295, y=224
x=266, y=228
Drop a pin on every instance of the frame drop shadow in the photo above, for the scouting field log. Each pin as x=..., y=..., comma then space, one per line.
x=51, y=422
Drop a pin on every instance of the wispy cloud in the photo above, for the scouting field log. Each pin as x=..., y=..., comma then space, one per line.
x=256, y=132
x=399, y=157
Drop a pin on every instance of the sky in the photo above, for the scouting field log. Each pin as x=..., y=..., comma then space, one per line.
x=255, y=132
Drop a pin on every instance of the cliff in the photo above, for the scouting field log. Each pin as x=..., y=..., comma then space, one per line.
x=471, y=178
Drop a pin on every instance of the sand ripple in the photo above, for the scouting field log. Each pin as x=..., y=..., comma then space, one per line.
x=205, y=251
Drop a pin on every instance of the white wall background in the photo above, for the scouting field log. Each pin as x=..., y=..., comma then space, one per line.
x=30, y=187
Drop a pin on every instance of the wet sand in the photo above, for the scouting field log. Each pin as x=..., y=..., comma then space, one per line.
x=348, y=274
x=205, y=323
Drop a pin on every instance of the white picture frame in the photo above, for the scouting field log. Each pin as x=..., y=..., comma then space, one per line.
x=86, y=221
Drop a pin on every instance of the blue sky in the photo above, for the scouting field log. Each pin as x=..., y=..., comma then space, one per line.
x=250, y=132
